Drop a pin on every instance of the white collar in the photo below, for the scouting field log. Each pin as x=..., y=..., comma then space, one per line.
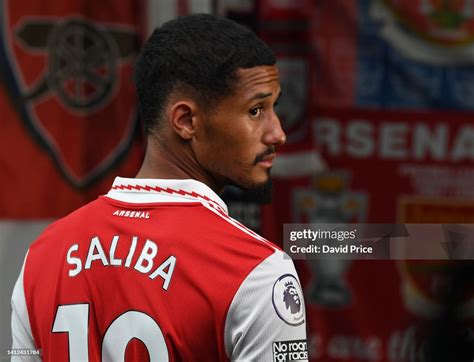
x=136, y=190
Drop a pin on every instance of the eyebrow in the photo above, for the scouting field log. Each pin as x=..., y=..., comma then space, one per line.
x=264, y=95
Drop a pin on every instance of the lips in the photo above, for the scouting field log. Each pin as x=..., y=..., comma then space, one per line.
x=266, y=157
x=267, y=160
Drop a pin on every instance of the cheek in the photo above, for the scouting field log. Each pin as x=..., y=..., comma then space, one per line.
x=230, y=151
x=221, y=154
x=237, y=146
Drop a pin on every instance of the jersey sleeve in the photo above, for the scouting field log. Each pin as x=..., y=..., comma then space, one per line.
x=266, y=320
x=21, y=330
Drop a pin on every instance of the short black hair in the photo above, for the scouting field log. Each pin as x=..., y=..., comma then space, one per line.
x=198, y=53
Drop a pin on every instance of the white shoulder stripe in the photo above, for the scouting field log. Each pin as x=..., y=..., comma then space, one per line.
x=238, y=225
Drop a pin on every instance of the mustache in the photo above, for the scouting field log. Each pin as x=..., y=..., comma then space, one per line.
x=267, y=152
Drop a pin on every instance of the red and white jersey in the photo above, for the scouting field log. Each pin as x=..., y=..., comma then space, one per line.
x=156, y=269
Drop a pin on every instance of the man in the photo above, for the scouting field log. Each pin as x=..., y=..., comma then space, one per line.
x=156, y=268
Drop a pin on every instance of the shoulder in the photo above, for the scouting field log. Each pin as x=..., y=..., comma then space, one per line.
x=238, y=231
x=275, y=279
x=60, y=230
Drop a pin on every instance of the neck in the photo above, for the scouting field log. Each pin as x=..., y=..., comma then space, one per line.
x=177, y=161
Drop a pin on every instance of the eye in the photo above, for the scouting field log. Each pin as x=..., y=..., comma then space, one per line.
x=256, y=111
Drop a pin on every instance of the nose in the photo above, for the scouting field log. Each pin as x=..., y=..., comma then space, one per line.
x=274, y=135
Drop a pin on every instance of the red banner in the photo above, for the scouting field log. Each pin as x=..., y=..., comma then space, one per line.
x=69, y=109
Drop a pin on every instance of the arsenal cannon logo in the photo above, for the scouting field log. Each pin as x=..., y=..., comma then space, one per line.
x=70, y=80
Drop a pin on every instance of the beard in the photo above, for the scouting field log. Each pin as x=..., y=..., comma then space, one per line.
x=260, y=194
x=254, y=193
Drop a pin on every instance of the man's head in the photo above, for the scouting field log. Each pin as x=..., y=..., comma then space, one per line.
x=209, y=85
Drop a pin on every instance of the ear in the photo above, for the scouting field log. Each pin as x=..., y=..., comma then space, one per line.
x=182, y=118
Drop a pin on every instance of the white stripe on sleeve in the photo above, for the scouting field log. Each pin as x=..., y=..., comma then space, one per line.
x=267, y=312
